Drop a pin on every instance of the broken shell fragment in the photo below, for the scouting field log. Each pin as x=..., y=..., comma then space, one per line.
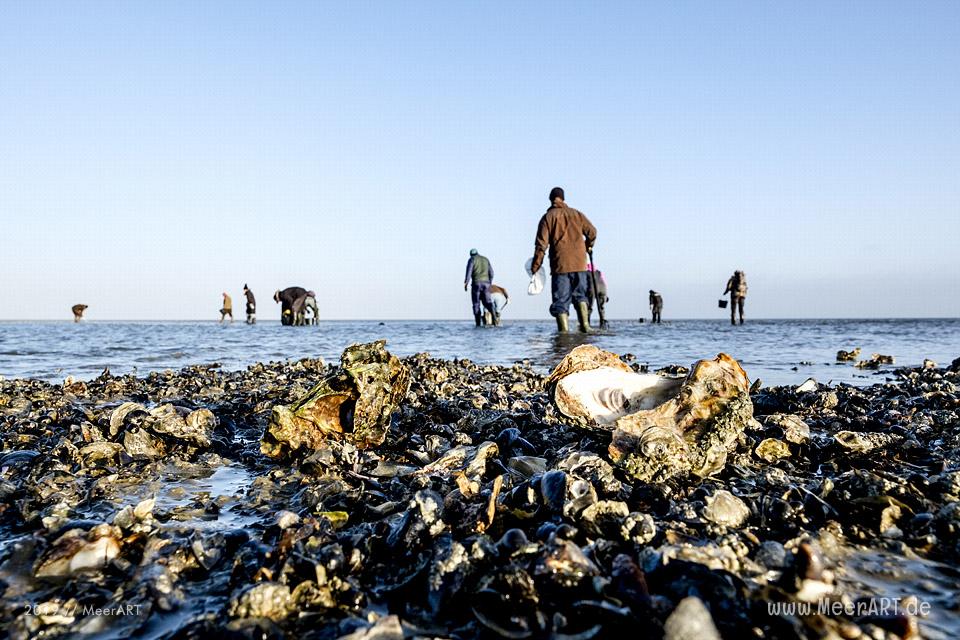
x=772, y=450
x=795, y=430
x=197, y=427
x=78, y=550
x=863, y=441
x=725, y=509
x=353, y=403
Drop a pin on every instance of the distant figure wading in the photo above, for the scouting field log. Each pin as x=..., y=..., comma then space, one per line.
x=251, y=305
x=500, y=299
x=78, y=310
x=569, y=235
x=656, y=306
x=303, y=304
x=287, y=298
x=737, y=287
x=600, y=294
x=479, y=275
x=226, y=309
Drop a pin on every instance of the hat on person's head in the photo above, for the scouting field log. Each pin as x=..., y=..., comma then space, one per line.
x=245, y=285
x=555, y=193
x=473, y=252
x=652, y=291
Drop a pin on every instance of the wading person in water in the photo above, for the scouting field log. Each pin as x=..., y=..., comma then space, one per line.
x=737, y=287
x=251, y=305
x=479, y=275
x=569, y=235
x=601, y=292
x=78, y=310
x=500, y=299
x=226, y=309
x=656, y=306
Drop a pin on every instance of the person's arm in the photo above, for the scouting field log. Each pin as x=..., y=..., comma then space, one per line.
x=540, y=244
x=490, y=270
x=466, y=276
x=729, y=286
x=589, y=232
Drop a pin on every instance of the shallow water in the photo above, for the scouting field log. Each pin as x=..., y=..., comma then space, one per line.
x=777, y=351
x=179, y=491
x=905, y=584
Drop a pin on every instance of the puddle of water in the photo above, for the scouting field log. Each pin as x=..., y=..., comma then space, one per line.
x=881, y=574
x=180, y=491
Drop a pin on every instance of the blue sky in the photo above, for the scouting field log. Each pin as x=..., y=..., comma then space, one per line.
x=153, y=155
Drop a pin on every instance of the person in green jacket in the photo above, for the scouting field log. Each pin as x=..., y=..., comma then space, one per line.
x=479, y=275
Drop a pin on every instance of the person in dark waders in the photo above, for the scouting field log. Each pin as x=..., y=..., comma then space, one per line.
x=737, y=288
x=600, y=293
x=251, y=305
x=656, y=306
x=569, y=235
x=479, y=275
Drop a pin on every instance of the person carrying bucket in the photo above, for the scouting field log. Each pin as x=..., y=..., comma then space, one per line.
x=570, y=236
x=737, y=288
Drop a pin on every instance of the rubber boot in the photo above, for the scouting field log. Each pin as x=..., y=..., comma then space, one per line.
x=562, y=325
x=583, y=317
x=478, y=318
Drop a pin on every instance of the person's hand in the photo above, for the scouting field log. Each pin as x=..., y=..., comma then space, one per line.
x=464, y=286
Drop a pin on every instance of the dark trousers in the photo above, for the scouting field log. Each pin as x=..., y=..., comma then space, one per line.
x=480, y=293
x=736, y=302
x=567, y=287
x=656, y=315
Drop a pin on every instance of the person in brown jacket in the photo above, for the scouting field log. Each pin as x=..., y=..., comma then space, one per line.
x=737, y=288
x=569, y=236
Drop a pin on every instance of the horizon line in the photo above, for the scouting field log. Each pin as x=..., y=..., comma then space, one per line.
x=468, y=320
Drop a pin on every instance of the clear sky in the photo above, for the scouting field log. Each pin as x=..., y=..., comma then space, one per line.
x=155, y=154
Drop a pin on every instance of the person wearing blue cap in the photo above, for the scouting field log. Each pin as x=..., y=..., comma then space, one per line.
x=480, y=274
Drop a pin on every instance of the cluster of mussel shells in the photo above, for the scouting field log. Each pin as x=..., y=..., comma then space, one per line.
x=479, y=501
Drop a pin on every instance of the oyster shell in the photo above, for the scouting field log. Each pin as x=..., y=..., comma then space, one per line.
x=596, y=387
x=354, y=403
x=662, y=427
x=692, y=432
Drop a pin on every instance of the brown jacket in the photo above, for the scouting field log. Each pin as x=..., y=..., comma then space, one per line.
x=568, y=233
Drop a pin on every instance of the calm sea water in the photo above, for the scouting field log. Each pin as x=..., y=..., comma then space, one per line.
x=777, y=351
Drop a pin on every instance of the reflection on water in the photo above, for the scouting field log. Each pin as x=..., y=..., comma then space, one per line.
x=908, y=581
x=198, y=496
x=777, y=351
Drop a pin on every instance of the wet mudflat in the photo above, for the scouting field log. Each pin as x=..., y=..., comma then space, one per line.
x=146, y=507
